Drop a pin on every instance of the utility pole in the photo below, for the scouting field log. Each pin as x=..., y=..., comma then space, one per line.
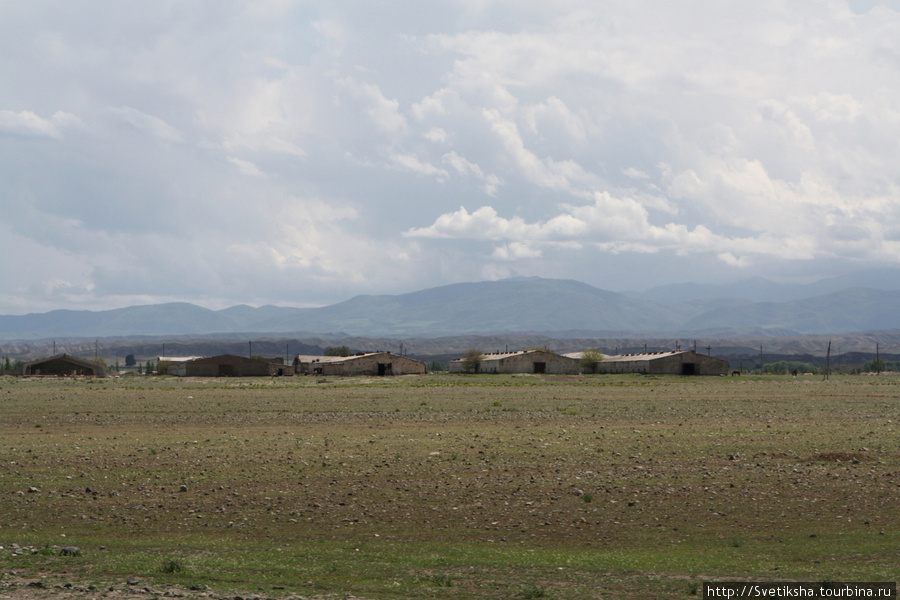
x=760, y=361
x=827, y=361
x=250, y=352
x=708, y=350
x=877, y=359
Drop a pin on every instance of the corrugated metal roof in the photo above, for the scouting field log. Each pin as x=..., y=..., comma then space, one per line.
x=84, y=362
x=311, y=358
x=630, y=357
x=501, y=355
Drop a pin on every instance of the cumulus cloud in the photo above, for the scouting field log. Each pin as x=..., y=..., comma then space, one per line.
x=466, y=168
x=412, y=163
x=246, y=167
x=383, y=112
x=28, y=123
x=308, y=141
x=152, y=125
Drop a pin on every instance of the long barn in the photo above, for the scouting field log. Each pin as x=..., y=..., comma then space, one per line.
x=682, y=362
x=64, y=365
x=364, y=363
x=522, y=361
x=223, y=365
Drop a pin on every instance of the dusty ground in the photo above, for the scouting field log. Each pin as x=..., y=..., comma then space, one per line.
x=772, y=476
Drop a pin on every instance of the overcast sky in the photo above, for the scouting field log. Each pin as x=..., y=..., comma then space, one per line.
x=299, y=153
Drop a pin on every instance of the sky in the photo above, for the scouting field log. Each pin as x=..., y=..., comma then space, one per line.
x=299, y=153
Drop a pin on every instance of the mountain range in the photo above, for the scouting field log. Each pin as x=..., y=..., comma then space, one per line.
x=519, y=305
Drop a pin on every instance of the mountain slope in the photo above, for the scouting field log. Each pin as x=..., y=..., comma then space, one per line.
x=494, y=306
x=175, y=317
x=534, y=305
x=857, y=309
x=758, y=289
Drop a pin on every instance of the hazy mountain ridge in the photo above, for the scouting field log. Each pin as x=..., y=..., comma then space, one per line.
x=563, y=308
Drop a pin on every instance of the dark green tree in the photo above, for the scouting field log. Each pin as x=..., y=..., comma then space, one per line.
x=338, y=351
x=130, y=360
x=471, y=360
x=590, y=359
x=876, y=365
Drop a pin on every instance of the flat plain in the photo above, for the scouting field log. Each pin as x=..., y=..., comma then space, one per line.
x=445, y=486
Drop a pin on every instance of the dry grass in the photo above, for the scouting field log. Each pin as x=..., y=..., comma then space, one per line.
x=451, y=486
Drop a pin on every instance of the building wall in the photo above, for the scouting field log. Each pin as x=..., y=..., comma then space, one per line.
x=374, y=365
x=684, y=363
x=525, y=362
x=64, y=365
x=380, y=364
x=226, y=365
x=709, y=365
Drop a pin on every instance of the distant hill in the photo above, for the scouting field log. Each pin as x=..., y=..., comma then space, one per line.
x=857, y=309
x=563, y=308
x=758, y=289
x=524, y=305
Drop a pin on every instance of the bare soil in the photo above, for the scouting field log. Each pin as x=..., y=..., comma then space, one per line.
x=680, y=478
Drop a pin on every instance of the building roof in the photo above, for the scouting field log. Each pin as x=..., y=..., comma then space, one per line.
x=177, y=358
x=501, y=355
x=97, y=368
x=84, y=362
x=635, y=356
x=228, y=356
x=313, y=358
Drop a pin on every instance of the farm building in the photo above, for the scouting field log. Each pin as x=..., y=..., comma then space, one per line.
x=364, y=363
x=685, y=362
x=164, y=363
x=223, y=365
x=523, y=361
x=64, y=365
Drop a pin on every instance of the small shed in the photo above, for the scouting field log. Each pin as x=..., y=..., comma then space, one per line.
x=523, y=361
x=363, y=363
x=63, y=365
x=224, y=365
x=680, y=362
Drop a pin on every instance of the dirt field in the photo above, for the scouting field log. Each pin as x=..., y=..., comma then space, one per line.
x=444, y=486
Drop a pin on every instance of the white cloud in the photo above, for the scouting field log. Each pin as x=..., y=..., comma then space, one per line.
x=436, y=135
x=466, y=168
x=515, y=251
x=29, y=124
x=412, y=163
x=383, y=112
x=565, y=175
x=577, y=136
x=148, y=123
x=246, y=167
